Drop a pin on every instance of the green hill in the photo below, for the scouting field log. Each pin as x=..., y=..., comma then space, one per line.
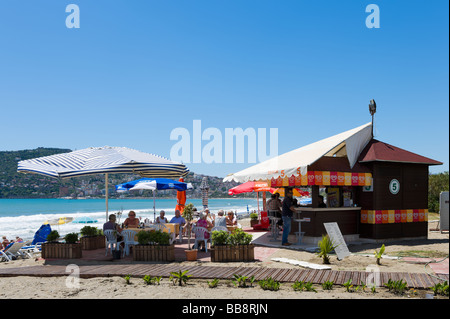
x=20, y=185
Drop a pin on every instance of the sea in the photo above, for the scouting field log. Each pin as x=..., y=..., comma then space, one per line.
x=23, y=217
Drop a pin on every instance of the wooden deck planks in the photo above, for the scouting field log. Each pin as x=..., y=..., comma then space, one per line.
x=413, y=280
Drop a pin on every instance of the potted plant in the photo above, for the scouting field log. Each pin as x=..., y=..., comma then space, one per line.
x=232, y=247
x=253, y=219
x=188, y=215
x=54, y=249
x=92, y=238
x=153, y=246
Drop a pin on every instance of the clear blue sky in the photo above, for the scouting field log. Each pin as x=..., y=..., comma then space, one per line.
x=135, y=70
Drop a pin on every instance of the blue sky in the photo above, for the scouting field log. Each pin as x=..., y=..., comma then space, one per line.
x=135, y=70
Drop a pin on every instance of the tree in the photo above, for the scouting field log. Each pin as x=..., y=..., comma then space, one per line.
x=437, y=183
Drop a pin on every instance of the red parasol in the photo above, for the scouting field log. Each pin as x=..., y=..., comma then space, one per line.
x=181, y=198
x=253, y=187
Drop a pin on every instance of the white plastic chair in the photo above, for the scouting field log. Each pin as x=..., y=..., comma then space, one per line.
x=128, y=239
x=200, y=236
x=180, y=235
x=111, y=239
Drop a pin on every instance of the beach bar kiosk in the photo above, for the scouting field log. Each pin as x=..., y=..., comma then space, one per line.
x=372, y=189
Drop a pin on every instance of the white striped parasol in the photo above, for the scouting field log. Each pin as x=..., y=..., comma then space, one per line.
x=103, y=160
x=98, y=160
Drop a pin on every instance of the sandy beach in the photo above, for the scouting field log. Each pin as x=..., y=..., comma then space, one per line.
x=436, y=247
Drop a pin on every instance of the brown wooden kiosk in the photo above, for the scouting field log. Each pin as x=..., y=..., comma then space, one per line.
x=373, y=190
x=394, y=205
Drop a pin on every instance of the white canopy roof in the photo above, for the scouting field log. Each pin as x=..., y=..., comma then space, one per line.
x=349, y=144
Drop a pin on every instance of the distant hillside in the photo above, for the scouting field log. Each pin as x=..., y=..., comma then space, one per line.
x=20, y=185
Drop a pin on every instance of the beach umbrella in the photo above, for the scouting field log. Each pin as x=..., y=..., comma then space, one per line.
x=59, y=221
x=41, y=234
x=249, y=187
x=84, y=220
x=152, y=184
x=205, y=189
x=181, y=198
x=103, y=160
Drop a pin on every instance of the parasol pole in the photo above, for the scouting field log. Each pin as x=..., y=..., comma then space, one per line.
x=106, y=194
x=257, y=198
x=154, y=207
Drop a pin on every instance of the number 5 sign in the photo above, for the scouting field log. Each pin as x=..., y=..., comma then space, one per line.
x=394, y=186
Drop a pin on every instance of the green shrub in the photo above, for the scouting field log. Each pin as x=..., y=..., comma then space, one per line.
x=180, y=277
x=143, y=237
x=149, y=280
x=254, y=216
x=325, y=247
x=71, y=238
x=89, y=231
x=269, y=284
x=239, y=237
x=241, y=281
x=219, y=237
x=327, y=285
x=213, y=283
x=153, y=238
x=379, y=253
x=53, y=236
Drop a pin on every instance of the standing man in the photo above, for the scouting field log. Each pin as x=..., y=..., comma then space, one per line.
x=287, y=213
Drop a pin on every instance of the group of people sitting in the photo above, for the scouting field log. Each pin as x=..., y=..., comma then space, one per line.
x=204, y=219
x=5, y=243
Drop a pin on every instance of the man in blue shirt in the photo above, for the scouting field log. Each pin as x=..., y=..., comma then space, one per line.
x=288, y=209
x=178, y=219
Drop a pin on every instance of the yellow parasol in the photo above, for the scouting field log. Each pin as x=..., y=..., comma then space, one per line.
x=59, y=221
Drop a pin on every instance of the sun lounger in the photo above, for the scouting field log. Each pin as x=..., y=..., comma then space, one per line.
x=13, y=251
x=4, y=256
x=31, y=251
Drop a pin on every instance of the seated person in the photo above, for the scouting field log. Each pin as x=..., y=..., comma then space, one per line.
x=203, y=222
x=178, y=219
x=220, y=220
x=5, y=242
x=321, y=202
x=131, y=221
x=161, y=219
x=231, y=220
x=209, y=217
x=111, y=224
x=19, y=240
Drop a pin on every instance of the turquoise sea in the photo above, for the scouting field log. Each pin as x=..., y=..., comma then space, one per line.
x=22, y=217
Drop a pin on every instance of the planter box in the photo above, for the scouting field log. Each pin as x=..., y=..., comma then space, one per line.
x=254, y=222
x=92, y=242
x=228, y=253
x=61, y=251
x=153, y=253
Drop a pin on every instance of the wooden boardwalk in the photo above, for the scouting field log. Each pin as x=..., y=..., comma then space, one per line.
x=414, y=280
